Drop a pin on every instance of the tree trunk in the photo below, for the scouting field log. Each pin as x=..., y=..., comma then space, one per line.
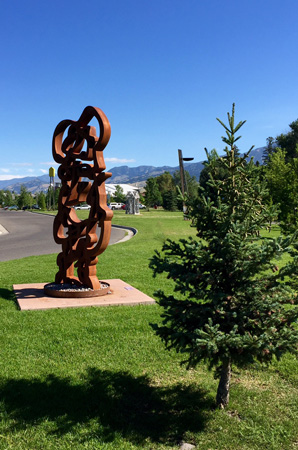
x=223, y=390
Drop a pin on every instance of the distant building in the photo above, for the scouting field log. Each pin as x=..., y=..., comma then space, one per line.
x=111, y=188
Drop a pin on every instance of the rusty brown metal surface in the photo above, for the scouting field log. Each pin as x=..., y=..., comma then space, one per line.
x=79, y=151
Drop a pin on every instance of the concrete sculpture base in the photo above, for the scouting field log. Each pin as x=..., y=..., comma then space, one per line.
x=32, y=297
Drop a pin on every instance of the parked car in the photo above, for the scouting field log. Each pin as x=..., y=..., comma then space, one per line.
x=123, y=207
x=115, y=205
x=13, y=208
x=141, y=206
x=30, y=207
x=83, y=206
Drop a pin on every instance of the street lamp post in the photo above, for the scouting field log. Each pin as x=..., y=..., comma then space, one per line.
x=184, y=187
x=52, y=184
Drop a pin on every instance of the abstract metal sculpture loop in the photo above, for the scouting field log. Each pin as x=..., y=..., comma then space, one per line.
x=80, y=244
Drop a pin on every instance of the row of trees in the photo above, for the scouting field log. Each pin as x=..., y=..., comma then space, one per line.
x=48, y=200
x=165, y=190
x=27, y=199
x=280, y=170
x=288, y=142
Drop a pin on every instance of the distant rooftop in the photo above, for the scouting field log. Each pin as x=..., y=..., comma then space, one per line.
x=110, y=188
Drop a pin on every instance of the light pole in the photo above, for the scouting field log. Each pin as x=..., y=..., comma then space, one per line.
x=52, y=183
x=184, y=187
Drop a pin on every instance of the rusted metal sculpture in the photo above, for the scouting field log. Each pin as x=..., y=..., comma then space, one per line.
x=80, y=244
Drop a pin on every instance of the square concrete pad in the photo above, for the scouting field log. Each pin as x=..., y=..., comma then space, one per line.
x=31, y=297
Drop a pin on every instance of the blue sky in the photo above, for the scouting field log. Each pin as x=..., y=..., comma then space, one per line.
x=161, y=70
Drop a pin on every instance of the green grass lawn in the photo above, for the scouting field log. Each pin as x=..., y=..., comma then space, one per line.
x=98, y=378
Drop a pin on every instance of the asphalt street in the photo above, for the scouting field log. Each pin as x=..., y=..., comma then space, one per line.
x=31, y=234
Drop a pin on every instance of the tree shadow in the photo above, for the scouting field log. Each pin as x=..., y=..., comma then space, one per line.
x=119, y=402
x=8, y=294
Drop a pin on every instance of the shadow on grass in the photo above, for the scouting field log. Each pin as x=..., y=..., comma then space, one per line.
x=120, y=403
x=8, y=294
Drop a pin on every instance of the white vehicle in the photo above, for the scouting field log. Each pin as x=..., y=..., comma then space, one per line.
x=83, y=206
x=114, y=205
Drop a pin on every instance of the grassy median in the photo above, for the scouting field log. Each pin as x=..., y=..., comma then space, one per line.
x=98, y=378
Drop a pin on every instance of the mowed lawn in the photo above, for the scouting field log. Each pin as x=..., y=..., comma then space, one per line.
x=98, y=378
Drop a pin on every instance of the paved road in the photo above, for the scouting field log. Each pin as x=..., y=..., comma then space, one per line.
x=32, y=234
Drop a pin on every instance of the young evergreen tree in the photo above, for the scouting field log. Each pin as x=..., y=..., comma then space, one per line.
x=213, y=170
x=231, y=304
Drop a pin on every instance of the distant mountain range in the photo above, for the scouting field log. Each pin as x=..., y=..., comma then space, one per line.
x=33, y=184
x=120, y=175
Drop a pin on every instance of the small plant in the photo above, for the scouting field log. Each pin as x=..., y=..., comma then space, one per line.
x=231, y=304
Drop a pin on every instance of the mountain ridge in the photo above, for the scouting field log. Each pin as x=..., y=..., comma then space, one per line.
x=120, y=175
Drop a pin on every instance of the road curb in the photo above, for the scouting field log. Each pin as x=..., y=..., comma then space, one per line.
x=131, y=230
